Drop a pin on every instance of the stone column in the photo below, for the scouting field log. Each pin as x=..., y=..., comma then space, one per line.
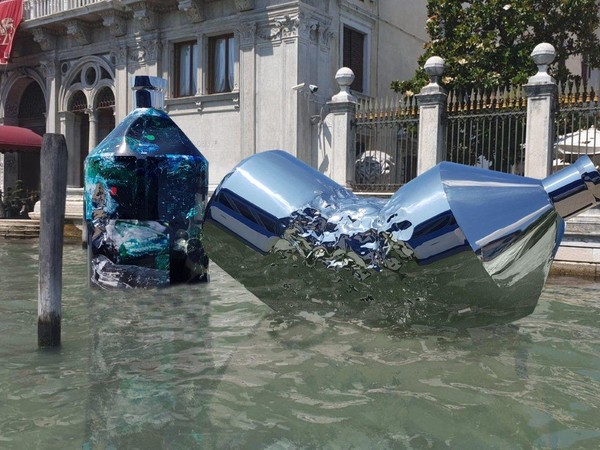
x=337, y=135
x=93, y=136
x=122, y=90
x=10, y=170
x=432, y=118
x=247, y=85
x=49, y=68
x=68, y=126
x=541, y=91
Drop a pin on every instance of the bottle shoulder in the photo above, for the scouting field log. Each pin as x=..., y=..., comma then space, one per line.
x=146, y=132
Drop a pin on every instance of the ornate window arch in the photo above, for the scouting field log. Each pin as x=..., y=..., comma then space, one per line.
x=89, y=75
x=104, y=98
x=78, y=102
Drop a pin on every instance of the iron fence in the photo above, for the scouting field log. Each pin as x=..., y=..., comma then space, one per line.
x=386, y=143
x=485, y=129
x=576, y=125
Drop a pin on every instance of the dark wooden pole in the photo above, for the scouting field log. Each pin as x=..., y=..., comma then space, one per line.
x=53, y=177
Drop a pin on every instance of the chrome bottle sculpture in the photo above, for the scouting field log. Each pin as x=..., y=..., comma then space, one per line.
x=146, y=186
x=457, y=245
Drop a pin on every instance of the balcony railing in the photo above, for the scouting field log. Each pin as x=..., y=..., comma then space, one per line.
x=34, y=9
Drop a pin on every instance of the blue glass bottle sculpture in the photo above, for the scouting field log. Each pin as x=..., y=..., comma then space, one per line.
x=146, y=186
x=457, y=245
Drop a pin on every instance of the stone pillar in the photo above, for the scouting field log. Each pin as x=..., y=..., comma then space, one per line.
x=432, y=118
x=68, y=126
x=10, y=170
x=337, y=149
x=541, y=91
x=122, y=90
x=93, y=135
x=51, y=88
x=247, y=89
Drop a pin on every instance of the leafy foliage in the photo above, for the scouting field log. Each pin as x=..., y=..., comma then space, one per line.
x=488, y=43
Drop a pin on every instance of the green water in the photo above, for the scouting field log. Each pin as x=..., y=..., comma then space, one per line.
x=211, y=367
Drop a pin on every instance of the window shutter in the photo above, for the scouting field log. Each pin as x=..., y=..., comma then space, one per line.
x=353, y=57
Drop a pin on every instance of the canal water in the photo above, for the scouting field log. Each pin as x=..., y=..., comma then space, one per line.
x=211, y=367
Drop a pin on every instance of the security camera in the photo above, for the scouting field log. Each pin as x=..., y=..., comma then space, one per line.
x=298, y=87
x=315, y=119
x=313, y=88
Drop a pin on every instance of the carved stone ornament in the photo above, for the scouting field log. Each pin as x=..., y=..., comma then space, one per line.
x=193, y=9
x=289, y=26
x=43, y=37
x=48, y=68
x=247, y=34
x=281, y=28
x=120, y=54
x=325, y=36
x=315, y=29
x=147, y=52
x=244, y=5
x=116, y=23
x=145, y=15
x=79, y=31
x=137, y=55
x=309, y=28
x=152, y=50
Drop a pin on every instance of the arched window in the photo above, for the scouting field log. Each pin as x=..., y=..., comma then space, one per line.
x=105, y=98
x=77, y=102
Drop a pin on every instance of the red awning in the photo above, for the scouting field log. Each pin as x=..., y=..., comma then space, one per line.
x=17, y=139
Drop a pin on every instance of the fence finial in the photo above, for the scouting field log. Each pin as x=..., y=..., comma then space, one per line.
x=434, y=68
x=344, y=78
x=543, y=54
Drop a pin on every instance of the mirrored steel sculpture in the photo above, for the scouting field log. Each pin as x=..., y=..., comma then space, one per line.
x=146, y=186
x=457, y=245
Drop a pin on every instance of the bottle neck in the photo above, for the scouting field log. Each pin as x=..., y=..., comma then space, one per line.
x=148, y=92
x=575, y=188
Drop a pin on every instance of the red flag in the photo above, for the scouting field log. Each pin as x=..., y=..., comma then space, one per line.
x=11, y=13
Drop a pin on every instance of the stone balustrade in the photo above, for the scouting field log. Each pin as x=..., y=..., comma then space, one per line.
x=35, y=9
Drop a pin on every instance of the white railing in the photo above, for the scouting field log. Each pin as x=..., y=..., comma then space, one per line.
x=34, y=9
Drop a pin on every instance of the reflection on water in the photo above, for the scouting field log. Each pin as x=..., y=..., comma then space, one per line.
x=209, y=366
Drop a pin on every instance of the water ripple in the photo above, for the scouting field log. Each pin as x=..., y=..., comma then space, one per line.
x=212, y=367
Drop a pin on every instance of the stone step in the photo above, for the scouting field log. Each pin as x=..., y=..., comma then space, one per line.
x=19, y=228
x=579, y=251
x=575, y=253
x=582, y=228
x=586, y=223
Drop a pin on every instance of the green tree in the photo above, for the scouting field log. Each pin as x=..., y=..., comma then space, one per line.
x=488, y=43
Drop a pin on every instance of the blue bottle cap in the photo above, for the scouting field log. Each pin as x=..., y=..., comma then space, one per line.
x=148, y=92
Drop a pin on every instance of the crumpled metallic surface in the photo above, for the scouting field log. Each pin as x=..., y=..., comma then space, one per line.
x=458, y=245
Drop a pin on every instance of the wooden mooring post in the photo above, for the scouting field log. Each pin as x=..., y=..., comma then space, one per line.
x=53, y=177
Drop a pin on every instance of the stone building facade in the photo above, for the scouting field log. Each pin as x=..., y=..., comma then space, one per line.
x=243, y=75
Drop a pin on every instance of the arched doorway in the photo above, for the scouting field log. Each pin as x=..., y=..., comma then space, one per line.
x=32, y=115
x=78, y=107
